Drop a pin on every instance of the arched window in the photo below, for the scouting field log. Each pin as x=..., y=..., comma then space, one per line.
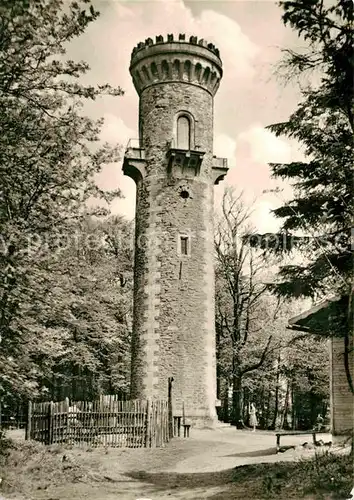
x=183, y=132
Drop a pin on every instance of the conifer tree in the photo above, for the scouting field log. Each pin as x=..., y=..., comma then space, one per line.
x=317, y=221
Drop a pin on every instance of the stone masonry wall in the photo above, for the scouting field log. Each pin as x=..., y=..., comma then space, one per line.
x=174, y=331
x=159, y=105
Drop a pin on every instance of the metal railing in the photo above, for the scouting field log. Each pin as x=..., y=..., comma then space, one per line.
x=134, y=149
x=134, y=144
x=219, y=162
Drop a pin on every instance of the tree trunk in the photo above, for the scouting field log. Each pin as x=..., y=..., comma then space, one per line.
x=236, y=416
x=245, y=404
x=293, y=407
x=286, y=406
x=261, y=420
x=276, y=407
x=313, y=409
x=74, y=384
x=267, y=410
x=276, y=403
x=226, y=417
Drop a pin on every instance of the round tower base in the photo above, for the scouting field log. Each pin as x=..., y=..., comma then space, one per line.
x=202, y=422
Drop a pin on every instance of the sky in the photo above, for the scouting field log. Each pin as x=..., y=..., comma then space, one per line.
x=249, y=35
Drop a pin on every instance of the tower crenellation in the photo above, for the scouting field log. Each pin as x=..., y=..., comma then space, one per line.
x=193, y=61
x=181, y=39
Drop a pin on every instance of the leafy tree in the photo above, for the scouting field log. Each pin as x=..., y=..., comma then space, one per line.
x=317, y=220
x=291, y=387
x=88, y=300
x=256, y=355
x=306, y=371
x=242, y=310
x=49, y=155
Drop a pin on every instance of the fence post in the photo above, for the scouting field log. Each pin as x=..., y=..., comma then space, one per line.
x=29, y=421
x=147, y=425
x=170, y=415
x=50, y=422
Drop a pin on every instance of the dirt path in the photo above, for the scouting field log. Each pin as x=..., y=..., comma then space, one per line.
x=201, y=467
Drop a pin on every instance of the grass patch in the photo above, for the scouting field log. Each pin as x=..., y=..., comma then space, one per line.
x=28, y=466
x=326, y=476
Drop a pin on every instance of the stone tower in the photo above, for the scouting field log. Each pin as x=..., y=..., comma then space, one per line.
x=174, y=169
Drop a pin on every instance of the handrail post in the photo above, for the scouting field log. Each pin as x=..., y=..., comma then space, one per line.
x=147, y=426
x=170, y=413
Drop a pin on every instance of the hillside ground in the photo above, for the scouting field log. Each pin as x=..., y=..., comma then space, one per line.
x=220, y=464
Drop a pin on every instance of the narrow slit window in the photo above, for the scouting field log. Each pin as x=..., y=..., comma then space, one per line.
x=184, y=245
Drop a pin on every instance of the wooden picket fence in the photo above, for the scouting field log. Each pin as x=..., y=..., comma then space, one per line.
x=107, y=422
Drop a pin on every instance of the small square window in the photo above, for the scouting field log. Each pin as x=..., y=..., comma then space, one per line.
x=184, y=245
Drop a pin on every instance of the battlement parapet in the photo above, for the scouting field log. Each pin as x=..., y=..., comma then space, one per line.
x=193, y=61
x=193, y=40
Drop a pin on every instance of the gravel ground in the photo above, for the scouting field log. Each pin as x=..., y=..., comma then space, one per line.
x=199, y=467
